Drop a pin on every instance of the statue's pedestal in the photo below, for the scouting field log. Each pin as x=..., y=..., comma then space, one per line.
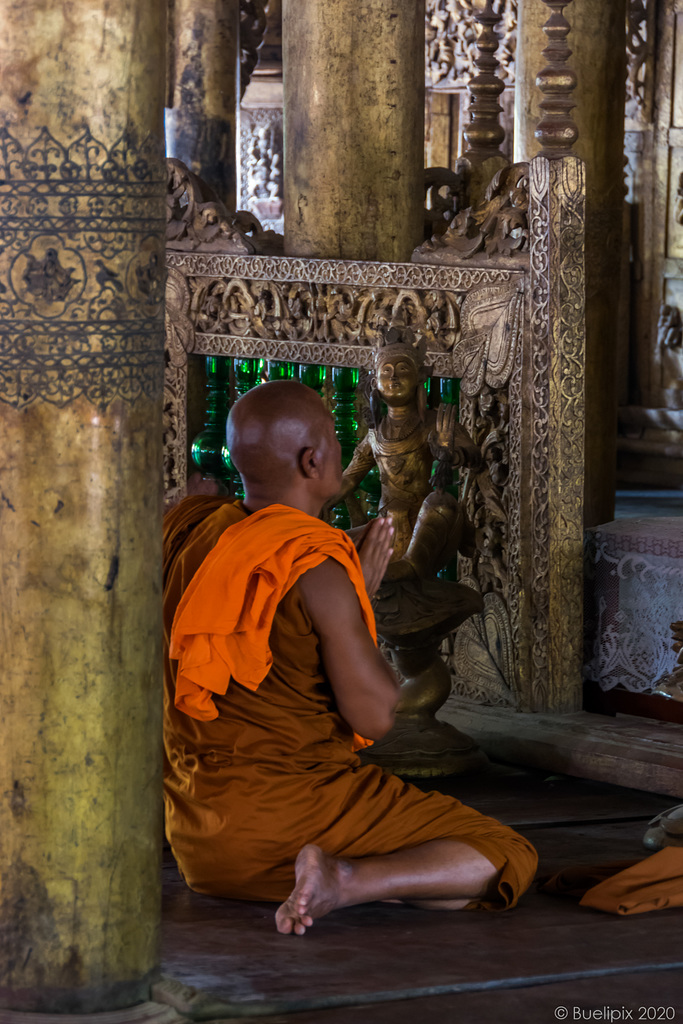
x=419, y=745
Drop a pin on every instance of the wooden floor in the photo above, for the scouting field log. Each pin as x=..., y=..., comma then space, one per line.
x=384, y=964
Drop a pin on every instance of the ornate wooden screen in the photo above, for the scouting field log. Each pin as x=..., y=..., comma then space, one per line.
x=499, y=300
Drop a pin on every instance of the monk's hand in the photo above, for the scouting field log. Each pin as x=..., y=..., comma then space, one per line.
x=375, y=547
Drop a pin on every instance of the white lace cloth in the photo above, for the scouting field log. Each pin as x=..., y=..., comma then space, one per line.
x=633, y=592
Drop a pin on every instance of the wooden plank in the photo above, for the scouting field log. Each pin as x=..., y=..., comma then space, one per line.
x=522, y=797
x=623, y=750
x=640, y=994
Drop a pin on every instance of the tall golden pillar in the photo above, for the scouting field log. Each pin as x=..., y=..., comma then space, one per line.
x=82, y=218
x=598, y=44
x=354, y=128
x=203, y=91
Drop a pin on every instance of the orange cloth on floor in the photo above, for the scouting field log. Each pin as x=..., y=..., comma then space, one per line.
x=651, y=884
x=577, y=879
x=224, y=618
x=244, y=791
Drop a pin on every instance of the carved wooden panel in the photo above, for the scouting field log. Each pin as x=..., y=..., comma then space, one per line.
x=510, y=326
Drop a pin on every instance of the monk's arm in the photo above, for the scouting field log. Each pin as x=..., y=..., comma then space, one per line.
x=364, y=685
x=358, y=468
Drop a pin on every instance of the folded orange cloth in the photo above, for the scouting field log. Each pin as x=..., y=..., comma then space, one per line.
x=651, y=884
x=223, y=621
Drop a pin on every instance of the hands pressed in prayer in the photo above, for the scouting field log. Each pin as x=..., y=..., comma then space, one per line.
x=374, y=544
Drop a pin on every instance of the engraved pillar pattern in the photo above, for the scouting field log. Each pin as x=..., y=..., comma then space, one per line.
x=81, y=288
x=556, y=432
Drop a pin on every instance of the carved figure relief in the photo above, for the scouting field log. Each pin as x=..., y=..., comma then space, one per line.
x=261, y=155
x=638, y=49
x=497, y=226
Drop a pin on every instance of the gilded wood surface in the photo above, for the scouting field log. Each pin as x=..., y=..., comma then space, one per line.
x=511, y=328
x=555, y=481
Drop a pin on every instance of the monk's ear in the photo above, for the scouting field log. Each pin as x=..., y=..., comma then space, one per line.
x=309, y=463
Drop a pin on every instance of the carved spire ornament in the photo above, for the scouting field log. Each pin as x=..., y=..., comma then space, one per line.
x=556, y=131
x=484, y=133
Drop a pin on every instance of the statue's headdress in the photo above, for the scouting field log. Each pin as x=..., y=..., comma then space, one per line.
x=396, y=343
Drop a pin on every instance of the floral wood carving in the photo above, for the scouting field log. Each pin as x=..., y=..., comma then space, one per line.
x=451, y=41
x=196, y=218
x=556, y=442
x=328, y=311
x=180, y=342
x=497, y=226
x=481, y=655
x=486, y=418
x=491, y=322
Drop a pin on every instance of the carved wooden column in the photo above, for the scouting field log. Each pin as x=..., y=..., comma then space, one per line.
x=484, y=134
x=203, y=91
x=354, y=128
x=598, y=45
x=82, y=216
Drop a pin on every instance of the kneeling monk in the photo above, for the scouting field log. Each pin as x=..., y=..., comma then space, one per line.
x=272, y=680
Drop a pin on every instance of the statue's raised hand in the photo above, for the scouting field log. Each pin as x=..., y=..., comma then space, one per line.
x=450, y=443
x=441, y=438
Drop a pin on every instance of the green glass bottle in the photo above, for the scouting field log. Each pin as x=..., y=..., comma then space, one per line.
x=207, y=446
x=344, y=383
x=246, y=375
x=312, y=376
x=277, y=370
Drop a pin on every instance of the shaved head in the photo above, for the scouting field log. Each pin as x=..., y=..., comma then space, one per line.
x=270, y=431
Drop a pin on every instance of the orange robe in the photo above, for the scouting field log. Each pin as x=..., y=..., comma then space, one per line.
x=275, y=768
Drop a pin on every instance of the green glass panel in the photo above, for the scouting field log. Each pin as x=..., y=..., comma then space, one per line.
x=344, y=384
x=450, y=390
x=312, y=376
x=278, y=370
x=207, y=446
x=247, y=373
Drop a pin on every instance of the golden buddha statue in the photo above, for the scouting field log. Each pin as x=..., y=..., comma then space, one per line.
x=414, y=610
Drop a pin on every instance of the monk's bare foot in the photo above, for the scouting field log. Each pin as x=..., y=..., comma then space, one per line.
x=317, y=891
